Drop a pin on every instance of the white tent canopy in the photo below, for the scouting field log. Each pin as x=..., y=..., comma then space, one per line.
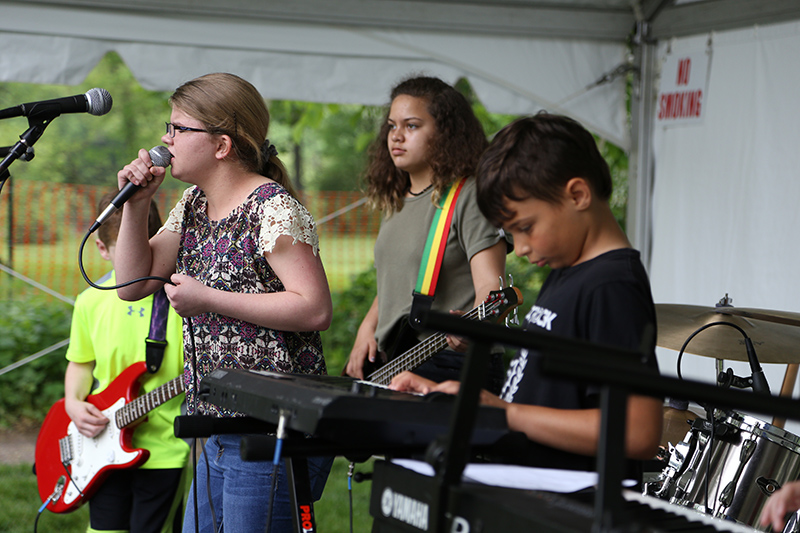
x=319, y=51
x=712, y=212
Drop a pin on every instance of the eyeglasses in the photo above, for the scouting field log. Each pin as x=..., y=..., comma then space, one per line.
x=172, y=128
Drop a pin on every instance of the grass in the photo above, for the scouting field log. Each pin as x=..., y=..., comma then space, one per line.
x=20, y=503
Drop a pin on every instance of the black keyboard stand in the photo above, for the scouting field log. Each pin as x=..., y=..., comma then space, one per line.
x=449, y=456
x=608, y=503
x=608, y=366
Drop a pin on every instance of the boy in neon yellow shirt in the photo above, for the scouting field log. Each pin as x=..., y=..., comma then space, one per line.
x=107, y=336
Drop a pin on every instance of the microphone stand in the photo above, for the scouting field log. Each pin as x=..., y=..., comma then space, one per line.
x=37, y=125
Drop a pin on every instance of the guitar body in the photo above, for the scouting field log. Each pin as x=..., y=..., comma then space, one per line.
x=87, y=461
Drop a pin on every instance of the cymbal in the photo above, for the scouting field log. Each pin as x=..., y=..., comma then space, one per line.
x=779, y=317
x=775, y=334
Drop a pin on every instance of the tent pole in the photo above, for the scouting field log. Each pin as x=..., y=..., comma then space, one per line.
x=641, y=168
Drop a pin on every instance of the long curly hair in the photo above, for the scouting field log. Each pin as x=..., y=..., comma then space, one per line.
x=456, y=146
x=227, y=104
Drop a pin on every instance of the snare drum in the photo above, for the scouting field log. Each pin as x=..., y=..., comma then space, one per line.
x=732, y=476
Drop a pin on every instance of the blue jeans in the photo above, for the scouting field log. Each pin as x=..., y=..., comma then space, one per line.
x=239, y=490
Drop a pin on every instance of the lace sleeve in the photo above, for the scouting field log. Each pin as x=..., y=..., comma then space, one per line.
x=283, y=215
x=175, y=218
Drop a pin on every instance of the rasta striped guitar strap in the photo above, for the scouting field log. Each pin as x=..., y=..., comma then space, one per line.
x=433, y=253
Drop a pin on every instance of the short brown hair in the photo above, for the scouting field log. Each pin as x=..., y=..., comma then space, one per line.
x=110, y=229
x=535, y=157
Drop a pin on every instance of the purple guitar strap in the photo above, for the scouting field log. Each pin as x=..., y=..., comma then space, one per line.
x=156, y=340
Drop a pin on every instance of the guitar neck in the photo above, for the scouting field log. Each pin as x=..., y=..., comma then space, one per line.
x=139, y=407
x=417, y=355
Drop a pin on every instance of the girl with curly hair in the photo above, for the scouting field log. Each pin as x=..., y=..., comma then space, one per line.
x=430, y=140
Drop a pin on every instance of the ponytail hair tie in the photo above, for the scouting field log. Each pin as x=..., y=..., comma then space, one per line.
x=268, y=149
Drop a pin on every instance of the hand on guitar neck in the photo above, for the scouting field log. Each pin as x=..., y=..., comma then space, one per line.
x=408, y=353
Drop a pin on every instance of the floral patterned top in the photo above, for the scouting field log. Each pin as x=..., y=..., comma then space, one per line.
x=228, y=255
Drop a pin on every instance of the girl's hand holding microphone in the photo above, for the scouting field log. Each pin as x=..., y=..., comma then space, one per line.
x=148, y=167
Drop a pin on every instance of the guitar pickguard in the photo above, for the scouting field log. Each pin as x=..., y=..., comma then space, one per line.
x=91, y=455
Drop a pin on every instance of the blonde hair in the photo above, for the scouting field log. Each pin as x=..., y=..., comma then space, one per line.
x=227, y=104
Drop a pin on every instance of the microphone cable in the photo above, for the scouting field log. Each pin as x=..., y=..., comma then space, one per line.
x=710, y=410
x=280, y=435
x=350, y=470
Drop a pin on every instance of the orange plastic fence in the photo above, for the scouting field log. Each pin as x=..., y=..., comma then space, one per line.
x=42, y=226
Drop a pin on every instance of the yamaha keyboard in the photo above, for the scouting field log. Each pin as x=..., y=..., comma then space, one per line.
x=345, y=410
x=401, y=502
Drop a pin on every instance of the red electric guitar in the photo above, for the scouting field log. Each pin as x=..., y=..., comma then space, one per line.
x=71, y=467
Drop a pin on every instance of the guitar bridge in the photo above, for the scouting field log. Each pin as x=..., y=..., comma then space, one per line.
x=65, y=449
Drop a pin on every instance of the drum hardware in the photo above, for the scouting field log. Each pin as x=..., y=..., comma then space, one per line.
x=745, y=454
x=793, y=523
x=767, y=486
x=727, y=379
x=729, y=468
x=757, y=380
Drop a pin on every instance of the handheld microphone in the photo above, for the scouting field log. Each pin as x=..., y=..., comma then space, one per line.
x=95, y=102
x=161, y=157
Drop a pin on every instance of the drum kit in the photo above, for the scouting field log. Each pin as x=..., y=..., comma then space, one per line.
x=728, y=464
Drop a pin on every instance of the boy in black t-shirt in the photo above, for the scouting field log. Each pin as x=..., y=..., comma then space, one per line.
x=544, y=182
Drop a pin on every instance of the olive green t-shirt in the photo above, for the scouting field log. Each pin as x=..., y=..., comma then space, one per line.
x=398, y=251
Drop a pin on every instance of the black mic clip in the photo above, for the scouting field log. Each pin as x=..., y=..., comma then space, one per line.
x=24, y=147
x=728, y=379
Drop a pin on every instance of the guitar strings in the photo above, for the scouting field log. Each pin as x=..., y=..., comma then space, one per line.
x=428, y=346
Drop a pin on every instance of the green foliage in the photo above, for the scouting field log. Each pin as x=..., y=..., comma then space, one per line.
x=349, y=308
x=82, y=148
x=617, y=161
x=328, y=142
x=491, y=122
x=27, y=327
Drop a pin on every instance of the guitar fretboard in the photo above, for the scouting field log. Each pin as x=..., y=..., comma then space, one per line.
x=142, y=405
x=426, y=349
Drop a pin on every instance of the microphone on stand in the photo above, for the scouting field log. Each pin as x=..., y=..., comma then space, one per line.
x=759, y=380
x=95, y=102
x=161, y=157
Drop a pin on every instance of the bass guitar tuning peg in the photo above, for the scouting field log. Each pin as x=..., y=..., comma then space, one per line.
x=513, y=317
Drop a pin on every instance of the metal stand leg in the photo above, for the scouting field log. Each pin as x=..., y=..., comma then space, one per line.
x=300, y=495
